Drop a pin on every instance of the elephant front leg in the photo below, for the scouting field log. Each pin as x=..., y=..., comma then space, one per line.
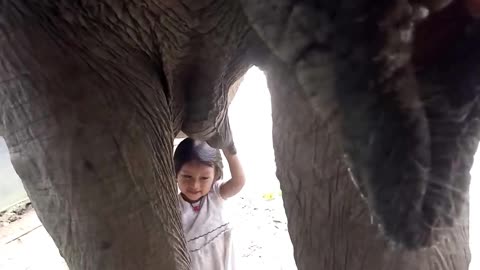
x=92, y=145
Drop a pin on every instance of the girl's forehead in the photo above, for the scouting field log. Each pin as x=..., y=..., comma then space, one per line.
x=196, y=167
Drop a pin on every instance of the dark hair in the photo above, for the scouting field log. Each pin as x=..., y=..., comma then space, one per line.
x=194, y=150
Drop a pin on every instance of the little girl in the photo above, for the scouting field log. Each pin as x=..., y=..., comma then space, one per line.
x=198, y=169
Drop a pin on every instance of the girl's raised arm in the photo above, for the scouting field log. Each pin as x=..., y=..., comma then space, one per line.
x=231, y=187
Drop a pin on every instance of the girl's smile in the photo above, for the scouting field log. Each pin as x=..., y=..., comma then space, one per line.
x=195, y=180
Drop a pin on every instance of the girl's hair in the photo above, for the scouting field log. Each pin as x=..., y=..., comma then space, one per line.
x=193, y=150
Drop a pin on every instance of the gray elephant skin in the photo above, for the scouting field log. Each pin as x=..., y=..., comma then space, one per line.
x=375, y=122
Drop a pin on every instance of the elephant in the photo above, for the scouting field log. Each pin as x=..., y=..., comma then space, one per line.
x=375, y=121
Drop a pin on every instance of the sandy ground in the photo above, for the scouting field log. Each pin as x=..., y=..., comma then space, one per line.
x=11, y=189
x=24, y=244
x=261, y=234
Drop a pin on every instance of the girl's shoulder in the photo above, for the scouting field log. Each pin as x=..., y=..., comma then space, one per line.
x=215, y=191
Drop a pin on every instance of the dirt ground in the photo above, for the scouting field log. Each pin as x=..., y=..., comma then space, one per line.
x=24, y=244
x=261, y=238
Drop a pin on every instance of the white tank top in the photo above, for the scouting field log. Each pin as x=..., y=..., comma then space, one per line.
x=208, y=233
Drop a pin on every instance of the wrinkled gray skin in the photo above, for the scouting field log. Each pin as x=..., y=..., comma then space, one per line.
x=93, y=93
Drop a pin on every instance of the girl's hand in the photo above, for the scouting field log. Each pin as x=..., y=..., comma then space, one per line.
x=231, y=150
x=236, y=183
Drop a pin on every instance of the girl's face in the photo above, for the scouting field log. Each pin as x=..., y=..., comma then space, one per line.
x=195, y=180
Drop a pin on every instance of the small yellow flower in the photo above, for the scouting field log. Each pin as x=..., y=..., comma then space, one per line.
x=268, y=196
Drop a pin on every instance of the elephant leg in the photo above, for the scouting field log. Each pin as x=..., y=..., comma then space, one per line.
x=90, y=136
x=328, y=222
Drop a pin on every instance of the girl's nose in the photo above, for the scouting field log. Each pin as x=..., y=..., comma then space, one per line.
x=196, y=184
